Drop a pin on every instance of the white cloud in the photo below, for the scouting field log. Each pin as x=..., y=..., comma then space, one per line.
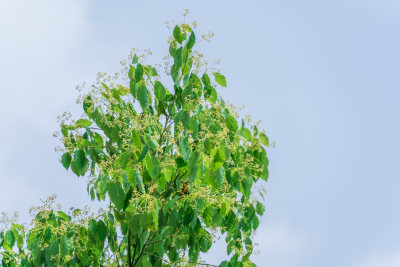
x=381, y=260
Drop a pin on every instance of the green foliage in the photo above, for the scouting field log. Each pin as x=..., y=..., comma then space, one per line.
x=173, y=162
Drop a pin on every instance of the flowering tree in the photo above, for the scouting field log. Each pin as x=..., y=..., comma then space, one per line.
x=172, y=160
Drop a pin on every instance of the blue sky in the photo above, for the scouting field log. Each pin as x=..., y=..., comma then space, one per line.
x=322, y=76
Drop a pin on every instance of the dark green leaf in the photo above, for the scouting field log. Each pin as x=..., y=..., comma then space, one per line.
x=80, y=163
x=101, y=230
x=66, y=160
x=139, y=72
x=206, y=80
x=191, y=41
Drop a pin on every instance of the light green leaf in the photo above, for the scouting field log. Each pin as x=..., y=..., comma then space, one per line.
x=264, y=139
x=10, y=238
x=220, y=79
x=178, y=34
x=231, y=123
x=220, y=176
x=260, y=208
x=159, y=91
x=139, y=181
x=63, y=216
x=82, y=123
x=136, y=141
x=246, y=134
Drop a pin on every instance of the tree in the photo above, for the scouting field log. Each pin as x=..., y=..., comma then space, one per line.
x=176, y=166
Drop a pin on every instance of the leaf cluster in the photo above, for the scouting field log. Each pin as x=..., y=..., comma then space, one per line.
x=176, y=165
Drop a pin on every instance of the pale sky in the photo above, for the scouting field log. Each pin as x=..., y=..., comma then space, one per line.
x=322, y=76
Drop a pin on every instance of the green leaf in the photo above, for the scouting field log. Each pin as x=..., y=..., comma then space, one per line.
x=219, y=159
x=88, y=105
x=220, y=176
x=136, y=139
x=92, y=227
x=220, y=79
x=139, y=181
x=143, y=154
x=64, y=246
x=159, y=91
x=191, y=41
x=101, y=230
x=170, y=204
x=178, y=58
x=18, y=238
x=66, y=160
x=264, y=139
x=10, y=238
x=117, y=195
x=206, y=80
x=205, y=244
x=143, y=97
x=36, y=250
x=192, y=165
x=82, y=123
x=123, y=159
x=135, y=59
x=246, y=134
x=210, y=94
x=51, y=253
x=139, y=72
x=260, y=208
x=231, y=123
x=80, y=163
x=178, y=34
x=63, y=216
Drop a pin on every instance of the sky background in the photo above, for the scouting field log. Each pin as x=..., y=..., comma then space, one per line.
x=322, y=76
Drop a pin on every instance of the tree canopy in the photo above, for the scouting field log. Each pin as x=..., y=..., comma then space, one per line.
x=172, y=159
